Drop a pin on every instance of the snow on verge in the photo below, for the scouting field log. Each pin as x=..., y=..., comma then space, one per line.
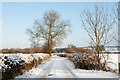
x=16, y=64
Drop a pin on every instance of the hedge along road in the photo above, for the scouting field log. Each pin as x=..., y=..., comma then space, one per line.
x=54, y=68
x=60, y=67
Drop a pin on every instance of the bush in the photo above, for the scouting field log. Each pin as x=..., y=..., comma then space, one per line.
x=16, y=64
x=88, y=62
x=11, y=67
x=84, y=61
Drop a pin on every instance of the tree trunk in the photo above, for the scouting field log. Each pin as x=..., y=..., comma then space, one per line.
x=48, y=51
x=50, y=39
x=99, y=63
x=99, y=60
x=51, y=46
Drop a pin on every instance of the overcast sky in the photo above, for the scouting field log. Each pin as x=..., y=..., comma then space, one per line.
x=17, y=16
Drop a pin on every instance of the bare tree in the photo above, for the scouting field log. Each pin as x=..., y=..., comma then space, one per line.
x=34, y=38
x=116, y=12
x=46, y=47
x=99, y=24
x=50, y=28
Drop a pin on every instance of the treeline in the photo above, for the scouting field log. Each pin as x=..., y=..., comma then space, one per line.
x=78, y=50
x=42, y=50
x=25, y=50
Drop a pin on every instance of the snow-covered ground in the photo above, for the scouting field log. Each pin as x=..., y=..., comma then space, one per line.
x=15, y=64
x=16, y=58
x=58, y=67
x=37, y=72
x=81, y=73
x=112, y=60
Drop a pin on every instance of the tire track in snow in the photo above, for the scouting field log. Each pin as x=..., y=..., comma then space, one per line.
x=75, y=76
x=61, y=70
x=46, y=70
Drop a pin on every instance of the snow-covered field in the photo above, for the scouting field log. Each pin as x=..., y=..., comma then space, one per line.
x=112, y=60
x=59, y=67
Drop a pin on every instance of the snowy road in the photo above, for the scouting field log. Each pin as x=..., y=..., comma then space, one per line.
x=58, y=67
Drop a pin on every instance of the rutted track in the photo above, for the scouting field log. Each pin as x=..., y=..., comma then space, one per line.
x=57, y=69
x=75, y=76
x=46, y=69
